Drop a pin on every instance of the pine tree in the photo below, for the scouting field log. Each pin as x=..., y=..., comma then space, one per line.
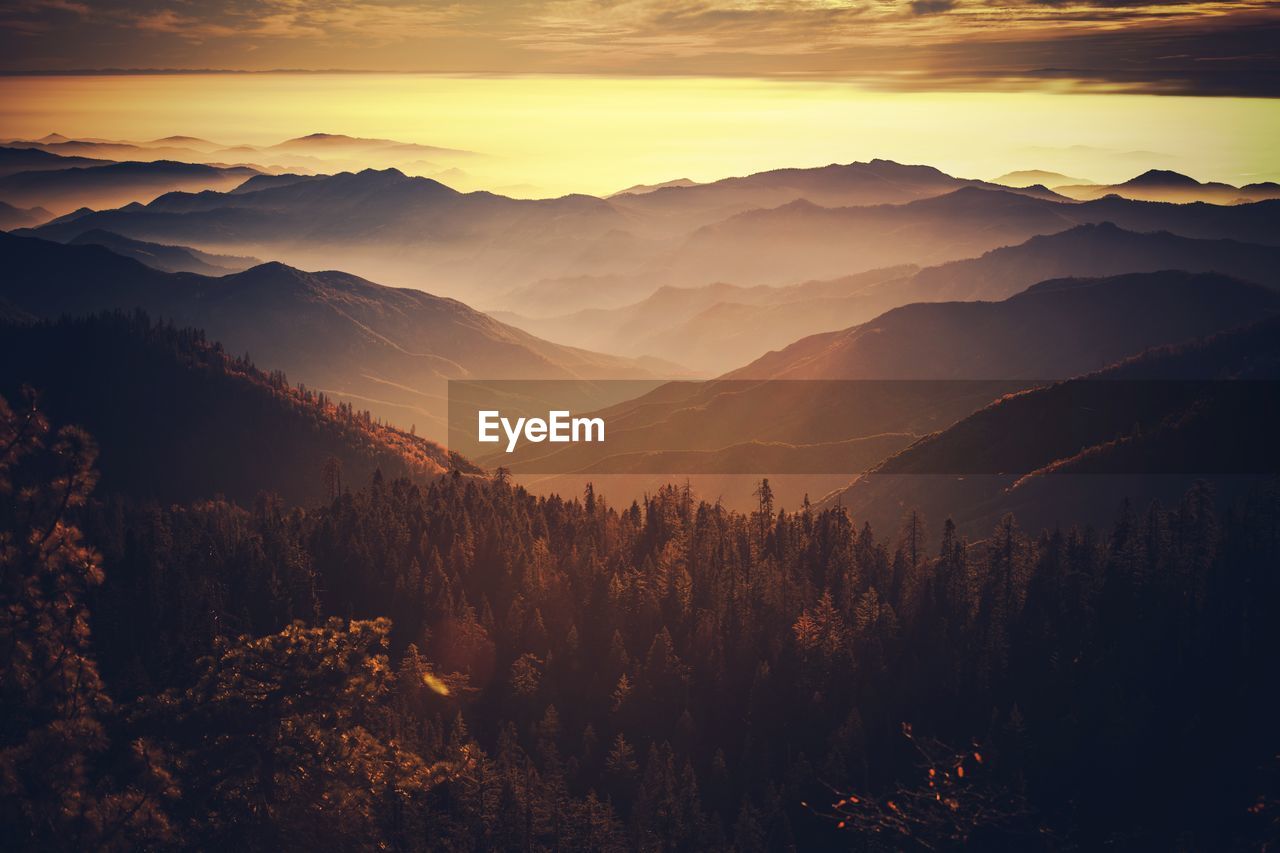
x=53, y=729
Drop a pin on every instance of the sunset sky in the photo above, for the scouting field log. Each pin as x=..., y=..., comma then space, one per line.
x=1223, y=47
x=592, y=95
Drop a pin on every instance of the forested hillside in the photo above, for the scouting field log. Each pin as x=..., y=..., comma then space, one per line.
x=179, y=419
x=565, y=674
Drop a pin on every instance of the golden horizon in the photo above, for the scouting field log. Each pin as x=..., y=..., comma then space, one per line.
x=543, y=134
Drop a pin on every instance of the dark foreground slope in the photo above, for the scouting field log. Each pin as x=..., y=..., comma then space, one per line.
x=177, y=419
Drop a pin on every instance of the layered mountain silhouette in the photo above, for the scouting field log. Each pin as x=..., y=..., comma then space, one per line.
x=802, y=240
x=922, y=367
x=1101, y=249
x=716, y=327
x=178, y=419
x=105, y=149
x=115, y=184
x=419, y=232
x=580, y=250
x=1146, y=427
x=1054, y=329
x=13, y=160
x=837, y=185
x=167, y=258
x=314, y=153
x=385, y=349
x=17, y=217
x=1165, y=185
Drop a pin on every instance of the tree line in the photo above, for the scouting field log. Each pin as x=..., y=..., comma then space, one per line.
x=460, y=665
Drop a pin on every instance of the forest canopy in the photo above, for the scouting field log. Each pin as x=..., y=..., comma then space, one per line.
x=458, y=664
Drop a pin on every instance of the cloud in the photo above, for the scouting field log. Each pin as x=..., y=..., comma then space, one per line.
x=1188, y=46
x=169, y=21
x=289, y=19
x=37, y=6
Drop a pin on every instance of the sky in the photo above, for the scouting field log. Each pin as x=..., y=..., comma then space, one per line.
x=540, y=135
x=592, y=96
x=1207, y=47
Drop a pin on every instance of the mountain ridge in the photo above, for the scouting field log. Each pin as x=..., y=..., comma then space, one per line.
x=391, y=350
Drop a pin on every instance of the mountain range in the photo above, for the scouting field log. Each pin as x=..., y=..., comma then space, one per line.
x=919, y=368
x=582, y=251
x=167, y=258
x=801, y=240
x=115, y=184
x=721, y=326
x=16, y=217
x=316, y=152
x=14, y=160
x=416, y=229
x=683, y=205
x=1145, y=428
x=1055, y=329
x=386, y=349
x=1165, y=185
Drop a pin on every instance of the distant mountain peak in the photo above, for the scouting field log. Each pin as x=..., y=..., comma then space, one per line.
x=390, y=171
x=971, y=195
x=641, y=189
x=271, y=271
x=1043, y=177
x=1161, y=178
x=170, y=139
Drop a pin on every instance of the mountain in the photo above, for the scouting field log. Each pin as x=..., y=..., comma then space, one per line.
x=167, y=258
x=177, y=419
x=730, y=328
x=107, y=149
x=909, y=372
x=389, y=350
x=16, y=217
x=716, y=327
x=506, y=253
x=63, y=190
x=326, y=143
x=1089, y=251
x=184, y=141
x=1031, y=177
x=1054, y=329
x=265, y=182
x=837, y=185
x=802, y=241
x=415, y=230
x=1165, y=185
x=641, y=189
x=1147, y=428
x=13, y=160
